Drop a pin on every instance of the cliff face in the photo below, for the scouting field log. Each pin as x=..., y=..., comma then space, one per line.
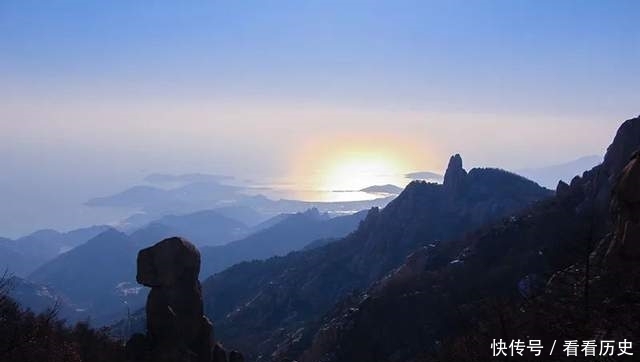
x=271, y=309
x=566, y=267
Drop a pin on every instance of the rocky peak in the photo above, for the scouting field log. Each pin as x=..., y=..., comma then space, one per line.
x=562, y=188
x=624, y=144
x=313, y=213
x=454, y=177
x=596, y=185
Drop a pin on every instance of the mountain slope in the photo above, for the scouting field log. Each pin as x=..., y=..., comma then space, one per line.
x=243, y=214
x=522, y=278
x=292, y=233
x=550, y=176
x=206, y=227
x=99, y=276
x=260, y=307
x=24, y=255
x=14, y=262
x=40, y=299
x=90, y=275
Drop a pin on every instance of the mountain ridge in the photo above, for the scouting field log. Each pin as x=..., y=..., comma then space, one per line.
x=528, y=267
x=277, y=297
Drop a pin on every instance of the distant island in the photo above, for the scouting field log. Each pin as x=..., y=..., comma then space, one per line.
x=383, y=189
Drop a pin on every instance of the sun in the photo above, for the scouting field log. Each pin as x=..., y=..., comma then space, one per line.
x=355, y=170
x=337, y=169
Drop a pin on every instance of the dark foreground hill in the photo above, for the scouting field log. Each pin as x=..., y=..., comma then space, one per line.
x=23, y=255
x=92, y=275
x=25, y=336
x=566, y=268
x=40, y=298
x=274, y=306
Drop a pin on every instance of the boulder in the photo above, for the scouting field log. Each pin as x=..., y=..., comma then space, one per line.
x=177, y=330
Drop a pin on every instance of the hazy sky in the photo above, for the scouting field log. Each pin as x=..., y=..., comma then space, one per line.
x=95, y=95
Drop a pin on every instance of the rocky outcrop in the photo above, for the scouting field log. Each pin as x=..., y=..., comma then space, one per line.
x=624, y=144
x=625, y=205
x=177, y=329
x=455, y=176
x=562, y=189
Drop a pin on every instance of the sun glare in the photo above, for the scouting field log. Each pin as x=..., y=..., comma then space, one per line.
x=337, y=170
x=357, y=170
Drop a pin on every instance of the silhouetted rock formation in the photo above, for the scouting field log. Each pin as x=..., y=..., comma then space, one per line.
x=562, y=188
x=177, y=329
x=455, y=176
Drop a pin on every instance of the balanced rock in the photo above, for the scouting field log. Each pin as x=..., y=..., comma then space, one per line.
x=177, y=330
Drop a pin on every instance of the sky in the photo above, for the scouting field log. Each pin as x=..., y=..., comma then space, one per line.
x=317, y=94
